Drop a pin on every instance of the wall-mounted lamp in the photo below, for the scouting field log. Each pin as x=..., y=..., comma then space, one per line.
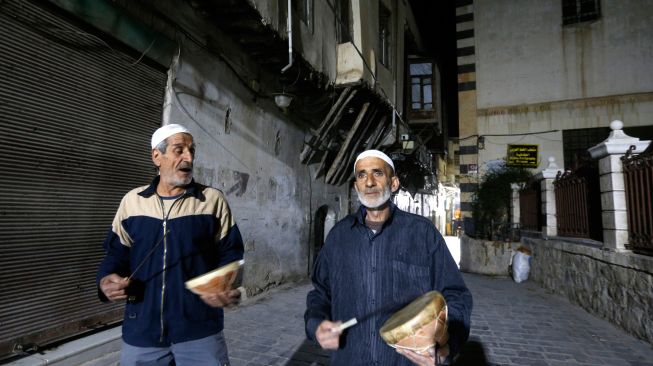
x=480, y=143
x=283, y=100
x=407, y=142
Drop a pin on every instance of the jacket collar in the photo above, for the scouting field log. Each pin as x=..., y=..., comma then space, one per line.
x=362, y=212
x=192, y=189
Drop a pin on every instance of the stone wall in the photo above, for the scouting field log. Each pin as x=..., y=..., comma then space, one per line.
x=617, y=286
x=485, y=256
x=250, y=150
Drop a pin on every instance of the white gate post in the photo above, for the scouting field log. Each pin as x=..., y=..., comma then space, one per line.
x=613, y=194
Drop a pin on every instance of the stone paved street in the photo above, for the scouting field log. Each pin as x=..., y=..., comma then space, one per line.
x=269, y=330
x=521, y=324
x=512, y=324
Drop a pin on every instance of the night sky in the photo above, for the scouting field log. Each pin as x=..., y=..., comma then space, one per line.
x=437, y=25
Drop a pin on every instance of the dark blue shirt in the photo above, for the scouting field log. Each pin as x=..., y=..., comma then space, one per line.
x=371, y=276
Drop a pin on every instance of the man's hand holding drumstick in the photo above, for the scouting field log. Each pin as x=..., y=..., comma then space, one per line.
x=114, y=287
x=328, y=333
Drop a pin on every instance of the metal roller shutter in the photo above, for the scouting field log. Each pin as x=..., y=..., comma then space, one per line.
x=75, y=121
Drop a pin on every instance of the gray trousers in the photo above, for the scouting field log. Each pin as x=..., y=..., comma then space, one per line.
x=209, y=351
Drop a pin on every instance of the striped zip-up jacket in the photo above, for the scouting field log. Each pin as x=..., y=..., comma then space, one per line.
x=201, y=235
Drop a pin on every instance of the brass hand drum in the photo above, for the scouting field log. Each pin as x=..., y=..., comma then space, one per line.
x=419, y=325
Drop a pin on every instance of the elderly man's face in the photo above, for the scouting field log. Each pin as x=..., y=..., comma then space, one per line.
x=176, y=164
x=374, y=182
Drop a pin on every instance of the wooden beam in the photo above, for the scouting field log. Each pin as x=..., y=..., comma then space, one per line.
x=346, y=168
x=336, y=119
x=311, y=144
x=317, y=141
x=381, y=133
x=327, y=159
x=346, y=145
x=342, y=96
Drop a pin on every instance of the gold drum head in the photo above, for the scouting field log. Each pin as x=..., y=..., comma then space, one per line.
x=416, y=326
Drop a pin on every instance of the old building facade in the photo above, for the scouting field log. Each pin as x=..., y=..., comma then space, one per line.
x=91, y=80
x=551, y=75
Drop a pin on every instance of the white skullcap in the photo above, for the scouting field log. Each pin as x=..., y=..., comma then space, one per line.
x=167, y=131
x=374, y=154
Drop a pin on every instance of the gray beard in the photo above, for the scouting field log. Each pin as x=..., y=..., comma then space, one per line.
x=178, y=182
x=375, y=203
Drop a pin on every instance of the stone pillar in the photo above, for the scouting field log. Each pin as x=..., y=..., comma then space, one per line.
x=546, y=177
x=613, y=195
x=514, y=205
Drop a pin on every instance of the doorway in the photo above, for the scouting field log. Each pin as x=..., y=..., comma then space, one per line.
x=324, y=220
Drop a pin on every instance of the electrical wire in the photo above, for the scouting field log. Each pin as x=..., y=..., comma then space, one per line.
x=507, y=135
x=522, y=134
x=487, y=141
x=144, y=52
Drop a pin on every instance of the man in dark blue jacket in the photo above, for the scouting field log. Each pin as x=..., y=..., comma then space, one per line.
x=375, y=262
x=163, y=235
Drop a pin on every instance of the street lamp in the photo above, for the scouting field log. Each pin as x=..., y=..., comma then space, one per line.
x=283, y=100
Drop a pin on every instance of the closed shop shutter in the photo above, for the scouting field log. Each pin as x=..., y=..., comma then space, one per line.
x=76, y=117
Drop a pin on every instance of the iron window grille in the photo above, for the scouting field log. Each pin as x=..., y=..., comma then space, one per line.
x=579, y=11
x=385, y=36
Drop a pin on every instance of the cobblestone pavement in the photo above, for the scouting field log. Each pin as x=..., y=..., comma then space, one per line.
x=512, y=324
x=270, y=330
x=522, y=324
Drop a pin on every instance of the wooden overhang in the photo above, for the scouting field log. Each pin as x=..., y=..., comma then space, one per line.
x=343, y=120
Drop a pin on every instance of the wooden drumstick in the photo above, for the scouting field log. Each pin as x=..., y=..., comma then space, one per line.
x=349, y=323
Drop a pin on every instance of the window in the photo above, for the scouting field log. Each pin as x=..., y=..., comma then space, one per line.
x=423, y=95
x=421, y=79
x=343, y=17
x=306, y=13
x=576, y=142
x=385, y=36
x=578, y=11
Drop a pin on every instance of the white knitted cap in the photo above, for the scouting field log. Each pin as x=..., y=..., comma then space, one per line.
x=167, y=131
x=374, y=154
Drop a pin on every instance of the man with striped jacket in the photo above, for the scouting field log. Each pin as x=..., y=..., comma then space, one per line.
x=162, y=235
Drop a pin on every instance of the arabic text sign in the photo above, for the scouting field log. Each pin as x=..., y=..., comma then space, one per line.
x=522, y=156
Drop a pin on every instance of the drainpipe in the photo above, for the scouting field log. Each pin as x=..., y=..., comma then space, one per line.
x=289, y=26
x=394, y=102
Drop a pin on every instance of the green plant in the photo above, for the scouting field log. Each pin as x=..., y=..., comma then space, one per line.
x=491, y=204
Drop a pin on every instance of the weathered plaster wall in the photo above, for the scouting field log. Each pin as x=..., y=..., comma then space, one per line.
x=534, y=75
x=520, y=123
x=316, y=45
x=387, y=76
x=247, y=147
x=319, y=47
x=251, y=152
x=615, y=286
x=525, y=55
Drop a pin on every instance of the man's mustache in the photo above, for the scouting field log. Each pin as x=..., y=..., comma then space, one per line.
x=186, y=166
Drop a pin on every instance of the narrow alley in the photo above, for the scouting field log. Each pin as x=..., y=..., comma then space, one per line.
x=152, y=143
x=512, y=324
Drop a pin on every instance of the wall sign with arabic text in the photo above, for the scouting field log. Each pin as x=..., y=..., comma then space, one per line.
x=525, y=156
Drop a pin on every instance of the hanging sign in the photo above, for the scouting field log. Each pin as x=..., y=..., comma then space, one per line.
x=525, y=156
